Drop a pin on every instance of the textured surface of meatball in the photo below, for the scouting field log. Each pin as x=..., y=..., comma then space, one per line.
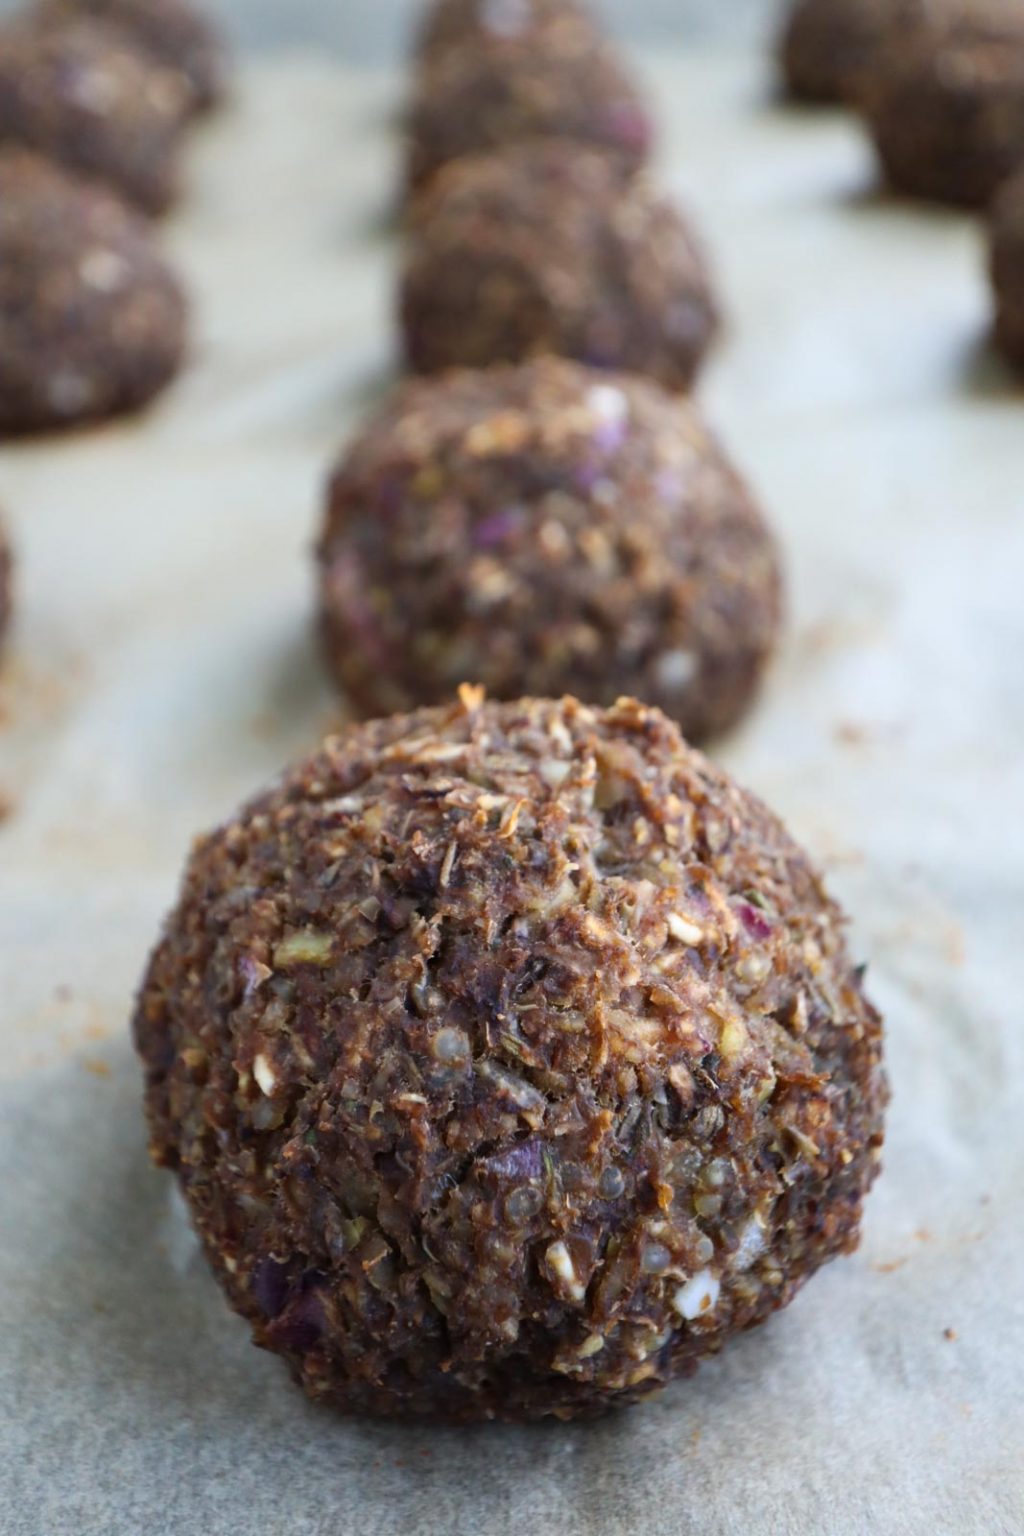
x=1007, y=247
x=829, y=49
x=562, y=80
x=453, y=23
x=83, y=94
x=546, y=529
x=543, y=247
x=173, y=32
x=511, y=1061
x=946, y=105
x=92, y=321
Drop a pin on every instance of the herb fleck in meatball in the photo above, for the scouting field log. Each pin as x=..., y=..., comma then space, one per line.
x=82, y=94
x=543, y=247
x=946, y=107
x=546, y=529
x=1007, y=245
x=511, y=1061
x=559, y=81
x=172, y=32
x=92, y=321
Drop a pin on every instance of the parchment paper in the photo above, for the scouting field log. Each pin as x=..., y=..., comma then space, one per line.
x=162, y=668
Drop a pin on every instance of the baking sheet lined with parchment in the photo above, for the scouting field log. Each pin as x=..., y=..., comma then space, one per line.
x=162, y=667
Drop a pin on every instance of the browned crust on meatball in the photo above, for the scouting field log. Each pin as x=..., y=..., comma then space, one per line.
x=511, y=1061
x=92, y=319
x=946, y=107
x=172, y=32
x=1007, y=265
x=546, y=529
x=543, y=247
x=559, y=81
x=456, y=23
x=81, y=93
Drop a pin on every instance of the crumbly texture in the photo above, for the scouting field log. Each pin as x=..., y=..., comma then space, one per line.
x=511, y=1061
x=560, y=80
x=946, y=107
x=542, y=247
x=81, y=93
x=454, y=23
x=829, y=49
x=546, y=529
x=172, y=32
x=5, y=583
x=92, y=321
x=1007, y=256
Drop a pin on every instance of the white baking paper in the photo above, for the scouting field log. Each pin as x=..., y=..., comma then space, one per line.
x=162, y=668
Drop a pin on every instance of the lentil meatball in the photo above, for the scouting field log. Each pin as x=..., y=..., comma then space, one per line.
x=546, y=529
x=560, y=81
x=92, y=321
x=829, y=47
x=450, y=23
x=511, y=1061
x=946, y=108
x=172, y=32
x=1007, y=247
x=543, y=247
x=81, y=93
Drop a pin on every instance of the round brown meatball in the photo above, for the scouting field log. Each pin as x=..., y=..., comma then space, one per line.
x=92, y=321
x=451, y=23
x=81, y=93
x=560, y=80
x=829, y=49
x=543, y=247
x=511, y=1061
x=5, y=583
x=546, y=529
x=946, y=107
x=171, y=32
x=1007, y=246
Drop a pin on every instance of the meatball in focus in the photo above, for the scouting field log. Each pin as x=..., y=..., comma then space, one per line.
x=92, y=321
x=559, y=81
x=542, y=247
x=546, y=529
x=511, y=1061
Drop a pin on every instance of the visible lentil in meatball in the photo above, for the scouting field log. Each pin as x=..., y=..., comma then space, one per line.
x=546, y=529
x=511, y=1061
x=542, y=247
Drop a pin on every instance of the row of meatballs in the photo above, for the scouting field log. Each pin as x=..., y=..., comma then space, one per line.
x=511, y=1059
x=940, y=87
x=95, y=96
x=543, y=512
